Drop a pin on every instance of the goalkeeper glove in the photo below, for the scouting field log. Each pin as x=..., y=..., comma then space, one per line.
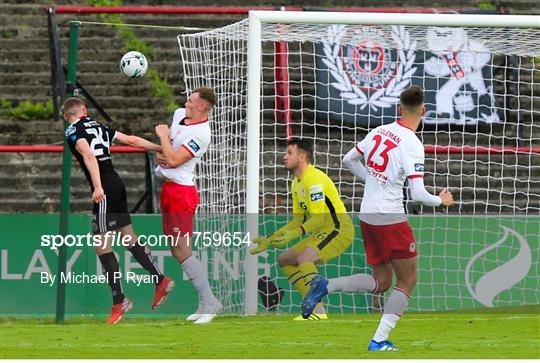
x=281, y=238
x=263, y=244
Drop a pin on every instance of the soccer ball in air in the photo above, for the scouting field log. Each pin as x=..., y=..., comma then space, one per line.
x=133, y=64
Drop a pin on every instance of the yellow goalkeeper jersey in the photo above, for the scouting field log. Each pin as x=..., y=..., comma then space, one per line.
x=315, y=194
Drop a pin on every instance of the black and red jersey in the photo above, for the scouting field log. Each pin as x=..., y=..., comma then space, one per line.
x=99, y=137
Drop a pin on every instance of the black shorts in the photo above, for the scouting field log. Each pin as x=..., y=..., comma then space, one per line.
x=112, y=213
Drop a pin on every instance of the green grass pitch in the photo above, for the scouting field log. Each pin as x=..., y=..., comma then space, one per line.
x=504, y=334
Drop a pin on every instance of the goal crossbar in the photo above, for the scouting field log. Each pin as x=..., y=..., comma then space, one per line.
x=466, y=20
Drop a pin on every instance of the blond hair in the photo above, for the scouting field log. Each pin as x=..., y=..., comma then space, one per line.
x=207, y=94
x=72, y=106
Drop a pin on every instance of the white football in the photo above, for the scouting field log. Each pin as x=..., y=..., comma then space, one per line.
x=133, y=64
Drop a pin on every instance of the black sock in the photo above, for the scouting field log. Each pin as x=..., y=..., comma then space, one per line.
x=147, y=262
x=109, y=263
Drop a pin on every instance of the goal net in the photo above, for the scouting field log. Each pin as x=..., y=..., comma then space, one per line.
x=331, y=81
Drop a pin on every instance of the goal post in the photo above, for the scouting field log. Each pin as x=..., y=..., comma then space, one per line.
x=488, y=150
x=253, y=157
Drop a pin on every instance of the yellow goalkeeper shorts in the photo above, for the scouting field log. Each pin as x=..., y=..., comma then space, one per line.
x=329, y=242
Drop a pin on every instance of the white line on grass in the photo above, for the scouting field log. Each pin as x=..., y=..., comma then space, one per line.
x=280, y=319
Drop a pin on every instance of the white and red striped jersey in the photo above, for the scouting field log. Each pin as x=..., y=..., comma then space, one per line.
x=195, y=138
x=391, y=153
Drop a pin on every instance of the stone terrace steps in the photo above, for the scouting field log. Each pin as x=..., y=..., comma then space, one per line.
x=31, y=182
x=118, y=94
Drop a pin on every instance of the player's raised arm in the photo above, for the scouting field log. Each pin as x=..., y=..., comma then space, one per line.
x=136, y=141
x=353, y=161
x=93, y=168
x=173, y=158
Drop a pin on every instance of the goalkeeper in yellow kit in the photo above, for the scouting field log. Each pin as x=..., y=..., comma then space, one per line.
x=319, y=218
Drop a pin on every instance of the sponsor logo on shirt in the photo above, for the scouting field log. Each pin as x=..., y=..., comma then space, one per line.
x=316, y=193
x=419, y=167
x=317, y=196
x=70, y=130
x=193, y=145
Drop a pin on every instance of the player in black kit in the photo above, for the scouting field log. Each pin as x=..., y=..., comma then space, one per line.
x=90, y=142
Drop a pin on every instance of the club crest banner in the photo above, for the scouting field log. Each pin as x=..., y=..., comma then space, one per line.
x=361, y=82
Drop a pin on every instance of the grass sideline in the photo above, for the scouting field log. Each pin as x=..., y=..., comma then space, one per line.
x=501, y=333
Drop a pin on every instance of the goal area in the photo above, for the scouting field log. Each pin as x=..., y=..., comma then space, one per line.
x=332, y=77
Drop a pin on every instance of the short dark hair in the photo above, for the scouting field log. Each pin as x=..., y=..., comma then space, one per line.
x=207, y=94
x=302, y=144
x=72, y=105
x=412, y=97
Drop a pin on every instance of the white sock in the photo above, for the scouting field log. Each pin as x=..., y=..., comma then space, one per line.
x=354, y=283
x=393, y=309
x=319, y=309
x=195, y=272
